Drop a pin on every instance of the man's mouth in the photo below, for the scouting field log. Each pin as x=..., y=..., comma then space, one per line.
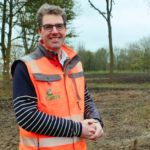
x=54, y=38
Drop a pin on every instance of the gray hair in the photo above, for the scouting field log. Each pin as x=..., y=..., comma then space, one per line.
x=49, y=9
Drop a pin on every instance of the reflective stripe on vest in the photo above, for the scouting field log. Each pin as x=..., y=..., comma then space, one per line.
x=49, y=142
x=75, y=118
x=32, y=64
x=79, y=66
x=28, y=141
x=53, y=141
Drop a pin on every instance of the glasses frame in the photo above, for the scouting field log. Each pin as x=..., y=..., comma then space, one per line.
x=64, y=26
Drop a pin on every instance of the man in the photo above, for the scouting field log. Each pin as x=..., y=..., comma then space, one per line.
x=51, y=101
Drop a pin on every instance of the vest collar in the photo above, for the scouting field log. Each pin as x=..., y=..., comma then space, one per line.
x=50, y=54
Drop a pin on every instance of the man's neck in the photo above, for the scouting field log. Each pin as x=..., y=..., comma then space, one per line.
x=59, y=53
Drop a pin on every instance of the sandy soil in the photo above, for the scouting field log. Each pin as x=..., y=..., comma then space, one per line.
x=126, y=117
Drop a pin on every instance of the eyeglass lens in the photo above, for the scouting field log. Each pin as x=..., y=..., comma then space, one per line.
x=49, y=27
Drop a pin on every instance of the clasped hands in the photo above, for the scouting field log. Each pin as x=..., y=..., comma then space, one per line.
x=91, y=129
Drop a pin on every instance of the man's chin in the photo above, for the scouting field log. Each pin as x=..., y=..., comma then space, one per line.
x=55, y=47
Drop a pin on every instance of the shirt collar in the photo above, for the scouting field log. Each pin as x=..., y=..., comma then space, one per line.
x=64, y=57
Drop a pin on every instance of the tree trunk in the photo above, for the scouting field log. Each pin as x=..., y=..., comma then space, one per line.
x=110, y=49
x=3, y=48
x=6, y=52
x=6, y=78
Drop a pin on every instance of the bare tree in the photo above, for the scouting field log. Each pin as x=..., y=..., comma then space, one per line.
x=9, y=10
x=107, y=16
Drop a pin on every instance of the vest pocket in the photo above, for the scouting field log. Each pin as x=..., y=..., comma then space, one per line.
x=47, y=78
x=48, y=90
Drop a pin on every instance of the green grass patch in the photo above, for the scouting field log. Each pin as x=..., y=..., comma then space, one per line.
x=143, y=114
x=115, y=72
x=1, y=77
x=6, y=94
x=98, y=78
x=119, y=85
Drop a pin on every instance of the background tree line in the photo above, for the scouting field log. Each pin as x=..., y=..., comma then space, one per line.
x=134, y=57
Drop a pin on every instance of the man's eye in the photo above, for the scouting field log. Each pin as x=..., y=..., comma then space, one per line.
x=48, y=27
x=59, y=25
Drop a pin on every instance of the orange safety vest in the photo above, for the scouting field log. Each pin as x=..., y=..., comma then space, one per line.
x=60, y=92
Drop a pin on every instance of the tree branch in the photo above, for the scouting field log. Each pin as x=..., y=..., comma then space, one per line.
x=16, y=45
x=107, y=6
x=19, y=10
x=19, y=37
x=8, y=1
x=32, y=43
x=111, y=6
x=102, y=13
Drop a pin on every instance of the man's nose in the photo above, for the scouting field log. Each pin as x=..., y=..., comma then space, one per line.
x=54, y=30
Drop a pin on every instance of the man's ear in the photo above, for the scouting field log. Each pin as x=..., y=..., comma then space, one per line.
x=39, y=31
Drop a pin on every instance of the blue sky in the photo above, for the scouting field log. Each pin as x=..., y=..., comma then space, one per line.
x=130, y=22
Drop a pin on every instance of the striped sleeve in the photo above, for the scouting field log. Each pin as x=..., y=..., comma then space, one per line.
x=27, y=114
x=90, y=108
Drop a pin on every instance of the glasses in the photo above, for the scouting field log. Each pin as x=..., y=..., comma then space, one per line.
x=49, y=27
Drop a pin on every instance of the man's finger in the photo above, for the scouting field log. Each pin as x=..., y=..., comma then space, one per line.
x=90, y=121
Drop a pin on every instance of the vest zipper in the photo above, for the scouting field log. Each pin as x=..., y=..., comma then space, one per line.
x=64, y=68
x=38, y=142
x=67, y=92
x=38, y=146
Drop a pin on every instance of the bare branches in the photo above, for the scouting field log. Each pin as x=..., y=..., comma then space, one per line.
x=19, y=9
x=8, y=1
x=102, y=13
x=16, y=45
x=107, y=7
x=19, y=37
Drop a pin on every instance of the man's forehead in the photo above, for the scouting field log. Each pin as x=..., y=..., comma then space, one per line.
x=52, y=19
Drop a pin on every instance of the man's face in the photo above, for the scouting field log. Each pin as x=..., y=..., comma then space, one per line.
x=54, y=39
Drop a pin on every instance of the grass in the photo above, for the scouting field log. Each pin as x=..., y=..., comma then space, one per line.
x=1, y=83
x=1, y=76
x=6, y=93
x=115, y=72
x=98, y=78
x=119, y=85
x=143, y=114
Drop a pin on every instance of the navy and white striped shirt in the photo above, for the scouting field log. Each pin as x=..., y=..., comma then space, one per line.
x=33, y=120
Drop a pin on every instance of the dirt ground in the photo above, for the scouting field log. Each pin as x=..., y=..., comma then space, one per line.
x=126, y=117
